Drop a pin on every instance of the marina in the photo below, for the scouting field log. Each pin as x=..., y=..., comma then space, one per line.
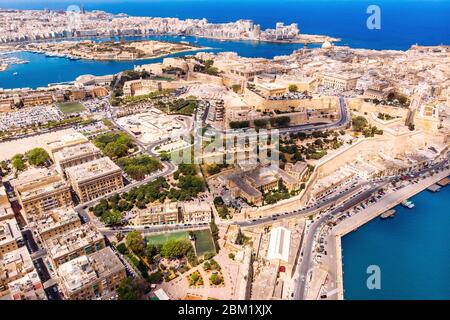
x=421, y=247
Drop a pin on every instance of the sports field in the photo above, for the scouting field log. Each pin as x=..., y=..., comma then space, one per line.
x=71, y=107
x=163, y=238
x=204, y=242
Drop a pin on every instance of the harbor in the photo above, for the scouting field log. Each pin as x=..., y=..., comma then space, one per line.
x=6, y=60
x=353, y=224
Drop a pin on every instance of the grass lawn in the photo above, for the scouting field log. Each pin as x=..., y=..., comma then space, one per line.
x=204, y=242
x=163, y=238
x=71, y=107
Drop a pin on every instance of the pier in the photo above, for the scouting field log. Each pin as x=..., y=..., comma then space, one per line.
x=434, y=188
x=444, y=182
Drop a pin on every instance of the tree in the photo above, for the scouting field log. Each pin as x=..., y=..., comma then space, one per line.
x=236, y=88
x=122, y=248
x=293, y=88
x=359, y=123
x=140, y=166
x=37, y=157
x=165, y=156
x=260, y=123
x=18, y=162
x=112, y=218
x=131, y=289
x=151, y=251
x=175, y=249
x=215, y=279
x=135, y=242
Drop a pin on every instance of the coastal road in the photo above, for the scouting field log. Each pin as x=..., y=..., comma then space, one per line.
x=306, y=263
x=322, y=205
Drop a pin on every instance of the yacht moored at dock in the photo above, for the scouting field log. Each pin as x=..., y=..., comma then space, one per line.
x=408, y=204
x=388, y=214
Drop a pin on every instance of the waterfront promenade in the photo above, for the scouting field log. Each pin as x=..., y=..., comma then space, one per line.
x=387, y=202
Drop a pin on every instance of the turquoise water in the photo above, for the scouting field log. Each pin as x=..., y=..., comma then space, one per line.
x=412, y=251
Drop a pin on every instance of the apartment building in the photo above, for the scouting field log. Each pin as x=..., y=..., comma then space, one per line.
x=340, y=82
x=6, y=211
x=96, y=276
x=37, y=100
x=10, y=236
x=65, y=141
x=6, y=104
x=14, y=265
x=75, y=155
x=74, y=243
x=29, y=287
x=195, y=212
x=40, y=190
x=167, y=213
x=95, y=179
x=56, y=222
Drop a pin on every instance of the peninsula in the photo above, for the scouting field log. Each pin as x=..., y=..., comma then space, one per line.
x=109, y=50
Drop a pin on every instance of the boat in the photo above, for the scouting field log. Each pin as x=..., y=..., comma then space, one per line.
x=408, y=204
x=15, y=74
x=388, y=214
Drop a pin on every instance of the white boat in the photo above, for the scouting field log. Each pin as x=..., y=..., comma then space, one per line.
x=408, y=204
x=15, y=74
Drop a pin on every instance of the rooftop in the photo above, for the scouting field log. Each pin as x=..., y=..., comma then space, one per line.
x=67, y=140
x=196, y=206
x=72, y=240
x=85, y=270
x=75, y=151
x=94, y=169
x=9, y=231
x=56, y=218
x=29, y=287
x=280, y=238
x=37, y=181
x=15, y=263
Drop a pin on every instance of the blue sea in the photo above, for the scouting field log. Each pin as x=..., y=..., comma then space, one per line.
x=412, y=250
x=403, y=23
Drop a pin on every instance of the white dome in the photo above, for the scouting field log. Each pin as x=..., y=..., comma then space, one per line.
x=327, y=45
